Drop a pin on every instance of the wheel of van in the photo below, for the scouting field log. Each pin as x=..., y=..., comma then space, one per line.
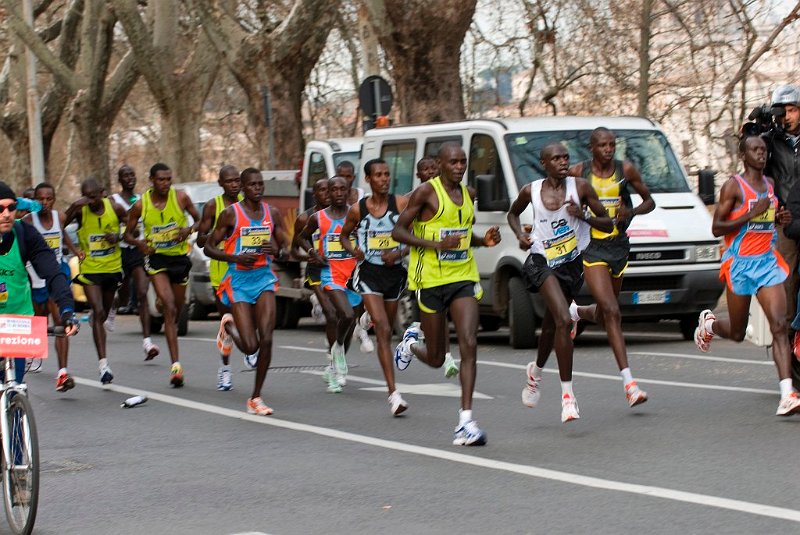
x=197, y=311
x=183, y=320
x=490, y=323
x=292, y=315
x=521, y=318
x=688, y=324
x=156, y=324
x=280, y=312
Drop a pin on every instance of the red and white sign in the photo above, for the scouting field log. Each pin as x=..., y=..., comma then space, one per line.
x=647, y=229
x=23, y=336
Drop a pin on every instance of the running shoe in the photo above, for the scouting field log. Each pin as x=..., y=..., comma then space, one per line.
x=109, y=323
x=151, y=350
x=634, y=394
x=224, y=340
x=258, y=407
x=397, y=404
x=365, y=321
x=403, y=353
x=251, y=361
x=366, y=345
x=64, y=382
x=339, y=360
x=450, y=366
x=469, y=434
x=789, y=405
x=316, y=310
x=702, y=338
x=796, y=344
x=105, y=375
x=329, y=375
x=176, y=375
x=224, y=379
x=573, y=312
x=569, y=409
x=532, y=392
x=573, y=332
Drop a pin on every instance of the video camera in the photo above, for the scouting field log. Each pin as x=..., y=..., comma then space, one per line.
x=764, y=118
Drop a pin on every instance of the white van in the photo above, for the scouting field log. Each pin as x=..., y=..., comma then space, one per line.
x=674, y=260
x=320, y=161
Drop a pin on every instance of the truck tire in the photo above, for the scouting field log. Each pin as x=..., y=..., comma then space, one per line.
x=521, y=317
x=292, y=315
x=688, y=324
x=183, y=320
x=156, y=323
x=280, y=312
x=490, y=323
x=197, y=311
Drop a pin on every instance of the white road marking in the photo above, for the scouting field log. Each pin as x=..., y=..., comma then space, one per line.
x=451, y=390
x=451, y=456
x=638, y=379
x=300, y=348
x=701, y=357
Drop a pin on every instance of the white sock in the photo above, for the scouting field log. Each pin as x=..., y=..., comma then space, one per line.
x=102, y=363
x=786, y=387
x=62, y=371
x=709, y=323
x=573, y=311
x=147, y=341
x=537, y=372
x=627, y=377
x=566, y=389
x=448, y=356
x=464, y=416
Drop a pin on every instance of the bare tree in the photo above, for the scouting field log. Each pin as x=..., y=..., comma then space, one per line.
x=271, y=47
x=179, y=63
x=422, y=40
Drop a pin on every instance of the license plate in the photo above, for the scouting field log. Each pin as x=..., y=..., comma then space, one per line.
x=650, y=298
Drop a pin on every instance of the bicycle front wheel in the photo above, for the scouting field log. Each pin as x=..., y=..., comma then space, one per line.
x=21, y=470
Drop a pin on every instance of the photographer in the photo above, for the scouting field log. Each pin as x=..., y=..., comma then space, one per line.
x=782, y=136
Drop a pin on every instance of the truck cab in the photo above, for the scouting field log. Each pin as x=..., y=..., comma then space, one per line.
x=321, y=159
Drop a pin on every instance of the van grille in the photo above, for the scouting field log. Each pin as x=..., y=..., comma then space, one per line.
x=638, y=284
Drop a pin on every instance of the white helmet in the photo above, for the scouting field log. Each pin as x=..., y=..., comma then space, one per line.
x=786, y=94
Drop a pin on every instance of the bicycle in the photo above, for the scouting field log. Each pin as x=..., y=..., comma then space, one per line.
x=19, y=445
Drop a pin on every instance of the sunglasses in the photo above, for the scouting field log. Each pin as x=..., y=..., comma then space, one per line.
x=10, y=207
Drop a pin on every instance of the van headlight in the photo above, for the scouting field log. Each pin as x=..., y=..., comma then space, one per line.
x=707, y=253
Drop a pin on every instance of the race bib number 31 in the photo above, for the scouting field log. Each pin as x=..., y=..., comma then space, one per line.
x=561, y=249
x=455, y=255
x=252, y=239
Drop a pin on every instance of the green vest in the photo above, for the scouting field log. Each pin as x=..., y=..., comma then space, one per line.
x=161, y=226
x=15, y=288
x=429, y=268
x=217, y=268
x=101, y=256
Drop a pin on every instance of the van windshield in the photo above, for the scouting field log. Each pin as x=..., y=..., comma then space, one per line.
x=352, y=157
x=648, y=150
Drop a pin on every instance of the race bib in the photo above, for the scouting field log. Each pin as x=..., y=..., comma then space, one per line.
x=763, y=222
x=99, y=246
x=252, y=239
x=334, y=248
x=561, y=249
x=3, y=294
x=379, y=241
x=53, y=239
x=164, y=236
x=611, y=204
x=455, y=255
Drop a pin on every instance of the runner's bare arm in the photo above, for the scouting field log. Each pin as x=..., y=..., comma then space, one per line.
x=730, y=196
x=634, y=178
x=517, y=207
x=188, y=206
x=279, y=235
x=65, y=235
x=305, y=240
x=588, y=197
x=416, y=203
x=133, y=220
x=225, y=224
x=206, y=222
x=350, y=224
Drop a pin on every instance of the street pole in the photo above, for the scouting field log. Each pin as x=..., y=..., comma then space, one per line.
x=268, y=122
x=34, y=110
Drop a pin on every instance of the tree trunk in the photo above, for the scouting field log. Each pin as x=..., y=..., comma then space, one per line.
x=422, y=39
x=180, y=139
x=91, y=149
x=287, y=123
x=645, y=33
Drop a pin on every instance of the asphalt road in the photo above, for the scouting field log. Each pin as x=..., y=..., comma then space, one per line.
x=705, y=454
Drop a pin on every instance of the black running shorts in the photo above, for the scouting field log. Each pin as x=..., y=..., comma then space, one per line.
x=176, y=267
x=388, y=281
x=569, y=275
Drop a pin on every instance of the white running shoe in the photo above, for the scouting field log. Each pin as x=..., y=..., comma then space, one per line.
x=365, y=322
x=316, y=310
x=532, y=392
x=109, y=323
x=702, y=338
x=329, y=375
x=634, y=394
x=251, y=361
x=789, y=405
x=366, y=345
x=450, y=366
x=339, y=359
x=151, y=350
x=469, y=434
x=569, y=409
x=224, y=340
x=224, y=379
x=105, y=375
x=397, y=404
x=403, y=353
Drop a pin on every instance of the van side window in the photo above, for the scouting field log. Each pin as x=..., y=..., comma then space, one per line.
x=399, y=155
x=316, y=168
x=433, y=144
x=484, y=161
